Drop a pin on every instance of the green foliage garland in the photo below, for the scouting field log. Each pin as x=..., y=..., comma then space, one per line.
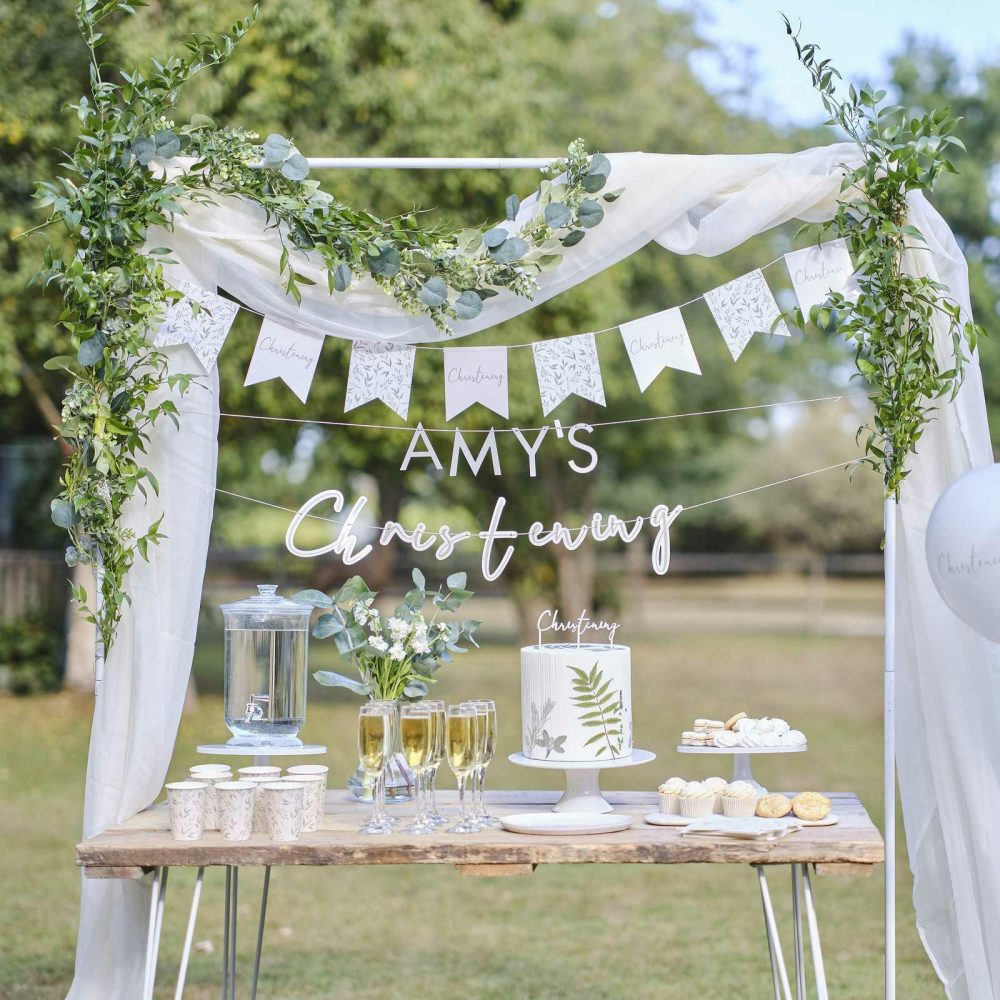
x=890, y=323
x=114, y=292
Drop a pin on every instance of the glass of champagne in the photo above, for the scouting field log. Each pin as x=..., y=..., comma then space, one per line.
x=374, y=747
x=461, y=739
x=392, y=707
x=417, y=744
x=486, y=717
x=439, y=727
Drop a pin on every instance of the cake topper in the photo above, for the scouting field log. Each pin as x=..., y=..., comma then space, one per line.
x=582, y=624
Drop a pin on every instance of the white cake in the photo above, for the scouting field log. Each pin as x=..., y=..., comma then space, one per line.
x=576, y=702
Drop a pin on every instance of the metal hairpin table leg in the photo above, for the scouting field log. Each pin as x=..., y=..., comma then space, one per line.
x=189, y=935
x=225, y=934
x=260, y=932
x=814, y=942
x=800, y=954
x=773, y=941
x=151, y=931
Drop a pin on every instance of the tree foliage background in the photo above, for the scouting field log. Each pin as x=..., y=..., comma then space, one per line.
x=450, y=77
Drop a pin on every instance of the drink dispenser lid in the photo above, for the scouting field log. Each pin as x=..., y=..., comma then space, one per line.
x=267, y=609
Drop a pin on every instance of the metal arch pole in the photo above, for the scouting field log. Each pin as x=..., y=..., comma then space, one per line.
x=889, y=752
x=189, y=935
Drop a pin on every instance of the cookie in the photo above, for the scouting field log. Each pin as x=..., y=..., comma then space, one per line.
x=731, y=724
x=773, y=806
x=811, y=806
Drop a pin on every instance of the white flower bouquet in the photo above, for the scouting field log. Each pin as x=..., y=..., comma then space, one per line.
x=395, y=656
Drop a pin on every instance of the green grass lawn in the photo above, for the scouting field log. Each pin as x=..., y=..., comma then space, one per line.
x=565, y=932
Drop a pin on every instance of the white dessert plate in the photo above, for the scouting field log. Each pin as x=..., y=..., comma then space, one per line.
x=667, y=819
x=555, y=823
x=831, y=819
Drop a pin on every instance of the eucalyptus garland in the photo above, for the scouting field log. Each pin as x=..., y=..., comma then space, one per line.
x=114, y=292
x=890, y=322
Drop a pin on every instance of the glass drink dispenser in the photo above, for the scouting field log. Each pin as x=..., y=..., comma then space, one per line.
x=266, y=642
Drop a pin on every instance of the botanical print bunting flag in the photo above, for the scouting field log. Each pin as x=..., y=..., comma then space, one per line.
x=380, y=371
x=819, y=270
x=743, y=307
x=475, y=375
x=201, y=320
x=657, y=342
x=284, y=353
x=566, y=366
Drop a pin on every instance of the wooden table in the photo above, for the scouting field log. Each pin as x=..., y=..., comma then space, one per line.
x=143, y=844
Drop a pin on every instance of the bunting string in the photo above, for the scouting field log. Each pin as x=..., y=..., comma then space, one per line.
x=524, y=534
x=510, y=430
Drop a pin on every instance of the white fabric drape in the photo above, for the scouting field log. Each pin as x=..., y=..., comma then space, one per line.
x=947, y=678
x=139, y=702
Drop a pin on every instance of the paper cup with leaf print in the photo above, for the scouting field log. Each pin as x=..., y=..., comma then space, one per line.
x=259, y=819
x=186, y=805
x=300, y=770
x=197, y=770
x=236, y=800
x=270, y=771
x=284, y=802
x=211, y=779
x=314, y=799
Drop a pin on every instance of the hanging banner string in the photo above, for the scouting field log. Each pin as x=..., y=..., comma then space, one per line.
x=510, y=430
x=524, y=534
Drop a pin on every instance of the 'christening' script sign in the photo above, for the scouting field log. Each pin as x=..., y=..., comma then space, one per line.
x=350, y=544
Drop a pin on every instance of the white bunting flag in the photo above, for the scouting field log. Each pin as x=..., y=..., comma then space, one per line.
x=565, y=366
x=201, y=320
x=657, y=342
x=380, y=371
x=284, y=353
x=475, y=375
x=818, y=271
x=743, y=307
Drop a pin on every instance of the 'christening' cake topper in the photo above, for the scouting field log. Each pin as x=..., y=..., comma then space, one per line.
x=548, y=621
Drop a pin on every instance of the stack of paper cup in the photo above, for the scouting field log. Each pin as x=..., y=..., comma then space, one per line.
x=186, y=805
x=211, y=774
x=313, y=800
x=283, y=806
x=236, y=800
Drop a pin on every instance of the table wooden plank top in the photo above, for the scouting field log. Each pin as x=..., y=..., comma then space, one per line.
x=144, y=841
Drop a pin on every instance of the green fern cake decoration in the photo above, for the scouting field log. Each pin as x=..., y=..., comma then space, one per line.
x=601, y=708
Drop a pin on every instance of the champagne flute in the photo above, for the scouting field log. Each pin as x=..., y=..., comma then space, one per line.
x=392, y=707
x=461, y=748
x=374, y=747
x=487, y=709
x=416, y=743
x=439, y=728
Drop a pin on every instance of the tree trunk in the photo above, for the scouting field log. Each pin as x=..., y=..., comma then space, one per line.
x=80, y=638
x=576, y=569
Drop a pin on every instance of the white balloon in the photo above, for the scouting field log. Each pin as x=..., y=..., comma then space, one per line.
x=963, y=549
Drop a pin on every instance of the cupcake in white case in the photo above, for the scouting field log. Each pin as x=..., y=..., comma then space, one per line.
x=739, y=799
x=695, y=800
x=715, y=785
x=669, y=791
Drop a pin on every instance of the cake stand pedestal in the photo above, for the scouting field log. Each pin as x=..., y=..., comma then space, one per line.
x=741, y=758
x=583, y=786
x=261, y=752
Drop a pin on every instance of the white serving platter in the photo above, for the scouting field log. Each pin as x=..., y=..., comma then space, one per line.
x=565, y=823
x=666, y=819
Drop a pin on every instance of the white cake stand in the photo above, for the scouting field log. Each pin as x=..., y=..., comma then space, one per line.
x=741, y=758
x=261, y=752
x=583, y=787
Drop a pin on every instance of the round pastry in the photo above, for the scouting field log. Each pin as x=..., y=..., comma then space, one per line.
x=793, y=738
x=745, y=725
x=731, y=724
x=695, y=800
x=726, y=739
x=780, y=726
x=811, y=805
x=739, y=799
x=774, y=806
x=668, y=795
x=716, y=785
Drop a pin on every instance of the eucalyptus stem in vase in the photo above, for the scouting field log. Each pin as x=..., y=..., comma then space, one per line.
x=396, y=657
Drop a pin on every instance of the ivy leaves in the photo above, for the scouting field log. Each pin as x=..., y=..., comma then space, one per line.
x=892, y=321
